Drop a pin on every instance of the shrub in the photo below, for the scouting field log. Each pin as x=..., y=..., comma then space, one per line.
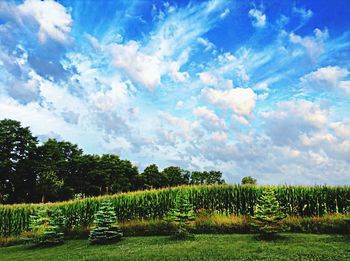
x=268, y=215
x=46, y=226
x=181, y=215
x=329, y=224
x=106, y=228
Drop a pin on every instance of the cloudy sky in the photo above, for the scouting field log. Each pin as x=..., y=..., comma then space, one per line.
x=249, y=88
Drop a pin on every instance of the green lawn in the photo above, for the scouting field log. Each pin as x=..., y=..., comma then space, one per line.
x=204, y=247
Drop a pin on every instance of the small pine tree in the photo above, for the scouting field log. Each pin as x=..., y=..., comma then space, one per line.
x=47, y=225
x=106, y=229
x=267, y=215
x=180, y=215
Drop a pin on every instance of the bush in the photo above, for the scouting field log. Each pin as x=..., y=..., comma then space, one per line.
x=267, y=215
x=46, y=227
x=218, y=223
x=328, y=224
x=106, y=228
x=180, y=215
x=150, y=227
x=10, y=241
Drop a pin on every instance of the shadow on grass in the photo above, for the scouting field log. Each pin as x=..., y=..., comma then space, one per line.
x=42, y=246
x=271, y=238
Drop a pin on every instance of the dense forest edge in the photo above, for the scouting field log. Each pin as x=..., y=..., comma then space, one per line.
x=32, y=172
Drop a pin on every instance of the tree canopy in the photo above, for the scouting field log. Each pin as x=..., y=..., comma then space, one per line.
x=55, y=170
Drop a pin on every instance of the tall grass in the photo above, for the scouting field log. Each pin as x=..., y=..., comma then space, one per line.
x=224, y=199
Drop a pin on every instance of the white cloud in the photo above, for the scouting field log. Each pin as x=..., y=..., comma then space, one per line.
x=316, y=138
x=345, y=86
x=292, y=119
x=219, y=136
x=225, y=13
x=208, y=78
x=240, y=100
x=183, y=127
x=145, y=69
x=288, y=152
x=327, y=78
x=110, y=100
x=206, y=43
x=313, y=44
x=209, y=116
x=341, y=128
x=262, y=87
x=176, y=74
x=307, y=111
x=240, y=119
x=305, y=14
x=258, y=16
x=53, y=19
x=179, y=105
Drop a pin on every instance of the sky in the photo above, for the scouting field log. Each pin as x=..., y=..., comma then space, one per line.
x=258, y=88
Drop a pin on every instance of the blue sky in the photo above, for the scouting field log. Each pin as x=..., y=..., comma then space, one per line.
x=248, y=88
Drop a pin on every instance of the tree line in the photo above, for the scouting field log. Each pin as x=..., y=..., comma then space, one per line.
x=59, y=170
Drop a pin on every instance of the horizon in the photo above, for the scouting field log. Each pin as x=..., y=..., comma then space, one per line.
x=258, y=88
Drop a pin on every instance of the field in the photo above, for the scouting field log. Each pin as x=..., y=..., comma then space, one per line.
x=300, y=201
x=221, y=226
x=204, y=247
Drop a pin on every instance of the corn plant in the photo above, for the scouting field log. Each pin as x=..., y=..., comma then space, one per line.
x=304, y=201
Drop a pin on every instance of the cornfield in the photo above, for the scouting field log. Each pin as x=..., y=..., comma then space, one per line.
x=225, y=199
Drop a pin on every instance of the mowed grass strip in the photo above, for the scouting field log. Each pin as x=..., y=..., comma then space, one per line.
x=204, y=247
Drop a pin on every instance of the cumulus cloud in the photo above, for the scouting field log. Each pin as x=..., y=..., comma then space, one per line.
x=259, y=18
x=208, y=78
x=209, y=117
x=313, y=44
x=294, y=118
x=240, y=100
x=327, y=78
x=52, y=18
x=219, y=136
x=116, y=97
x=182, y=128
x=341, y=128
x=305, y=14
x=143, y=68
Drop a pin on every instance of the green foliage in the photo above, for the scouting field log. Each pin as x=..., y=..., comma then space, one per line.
x=206, y=177
x=181, y=215
x=176, y=176
x=17, y=153
x=153, y=178
x=47, y=226
x=48, y=184
x=106, y=228
x=268, y=215
x=248, y=181
x=223, y=199
x=58, y=170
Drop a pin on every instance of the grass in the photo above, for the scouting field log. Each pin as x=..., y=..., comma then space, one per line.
x=203, y=247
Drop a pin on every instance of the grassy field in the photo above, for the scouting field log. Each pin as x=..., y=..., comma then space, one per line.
x=204, y=247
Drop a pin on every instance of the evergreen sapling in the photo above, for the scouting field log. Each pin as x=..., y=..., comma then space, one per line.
x=106, y=228
x=47, y=226
x=268, y=215
x=181, y=215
